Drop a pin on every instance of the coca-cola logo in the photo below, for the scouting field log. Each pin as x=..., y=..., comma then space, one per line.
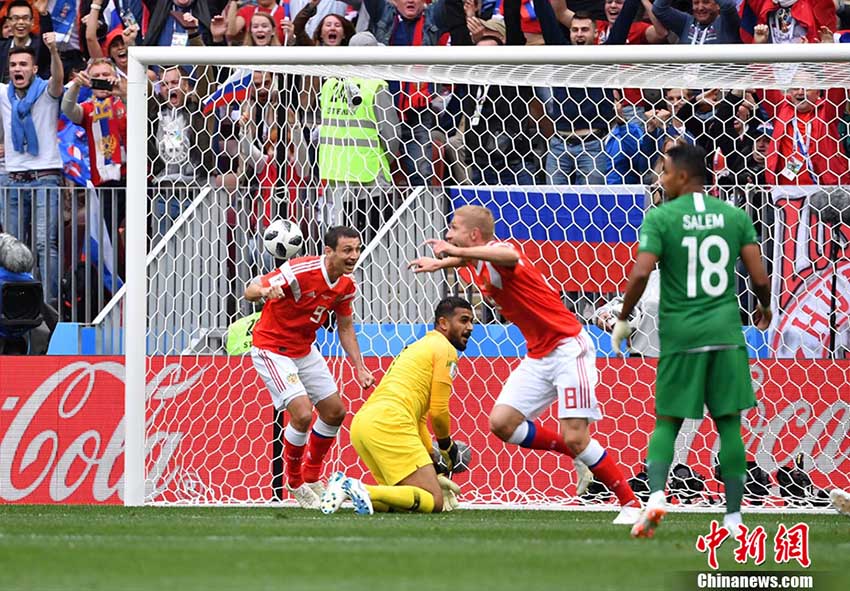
x=208, y=435
x=58, y=436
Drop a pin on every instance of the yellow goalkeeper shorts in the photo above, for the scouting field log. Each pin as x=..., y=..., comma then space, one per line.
x=388, y=442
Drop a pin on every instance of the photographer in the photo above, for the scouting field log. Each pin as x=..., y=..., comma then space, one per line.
x=104, y=117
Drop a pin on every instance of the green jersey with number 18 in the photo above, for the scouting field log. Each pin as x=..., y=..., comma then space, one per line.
x=697, y=240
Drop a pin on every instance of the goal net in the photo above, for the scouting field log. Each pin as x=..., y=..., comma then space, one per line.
x=565, y=148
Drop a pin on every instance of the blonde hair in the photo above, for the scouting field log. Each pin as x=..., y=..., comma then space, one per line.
x=98, y=61
x=478, y=216
x=248, y=39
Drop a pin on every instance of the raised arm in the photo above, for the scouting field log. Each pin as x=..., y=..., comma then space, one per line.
x=620, y=29
x=70, y=108
x=731, y=19
x=674, y=20
x=513, y=23
x=553, y=34
x=57, y=73
x=91, y=19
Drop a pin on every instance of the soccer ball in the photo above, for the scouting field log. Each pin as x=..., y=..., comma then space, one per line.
x=283, y=239
x=463, y=465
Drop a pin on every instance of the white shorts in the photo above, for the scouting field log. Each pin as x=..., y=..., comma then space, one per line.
x=567, y=374
x=287, y=378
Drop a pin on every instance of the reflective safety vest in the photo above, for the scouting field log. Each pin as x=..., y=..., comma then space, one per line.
x=349, y=144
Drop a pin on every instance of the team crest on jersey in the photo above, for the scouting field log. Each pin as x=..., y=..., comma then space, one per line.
x=452, y=365
x=292, y=378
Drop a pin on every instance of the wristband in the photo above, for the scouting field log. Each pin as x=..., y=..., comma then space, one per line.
x=96, y=7
x=444, y=444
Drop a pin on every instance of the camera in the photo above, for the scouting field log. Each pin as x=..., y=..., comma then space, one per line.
x=101, y=84
x=128, y=18
x=352, y=91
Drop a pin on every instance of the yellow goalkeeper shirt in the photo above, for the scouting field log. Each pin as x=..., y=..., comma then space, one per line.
x=419, y=383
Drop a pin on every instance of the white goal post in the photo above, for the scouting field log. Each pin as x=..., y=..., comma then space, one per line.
x=819, y=66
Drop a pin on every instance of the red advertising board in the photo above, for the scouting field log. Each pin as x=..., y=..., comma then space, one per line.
x=209, y=428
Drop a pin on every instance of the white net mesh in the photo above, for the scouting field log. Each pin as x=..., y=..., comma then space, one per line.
x=569, y=173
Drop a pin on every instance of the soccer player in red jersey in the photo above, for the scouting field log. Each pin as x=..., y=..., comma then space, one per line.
x=561, y=361
x=298, y=296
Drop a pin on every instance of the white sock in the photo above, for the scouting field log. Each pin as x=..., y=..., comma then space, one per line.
x=591, y=454
x=732, y=519
x=519, y=434
x=656, y=499
x=325, y=430
x=294, y=436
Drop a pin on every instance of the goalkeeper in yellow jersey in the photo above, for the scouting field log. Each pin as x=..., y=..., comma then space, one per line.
x=390, y=431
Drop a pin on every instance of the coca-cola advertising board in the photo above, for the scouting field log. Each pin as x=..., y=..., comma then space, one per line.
x=209, y=433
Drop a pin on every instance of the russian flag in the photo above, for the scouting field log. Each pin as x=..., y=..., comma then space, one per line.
x=112, y=15
x=586, y=236
x=111, y=281
x=234, y=89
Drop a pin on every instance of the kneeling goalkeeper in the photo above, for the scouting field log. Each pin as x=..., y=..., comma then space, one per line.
x=390, y=431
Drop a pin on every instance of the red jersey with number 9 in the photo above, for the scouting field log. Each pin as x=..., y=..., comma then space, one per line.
x=288, y=325
x=524, y=297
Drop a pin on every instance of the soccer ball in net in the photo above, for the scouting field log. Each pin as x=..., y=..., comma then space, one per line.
x=283, y=239
x=464, y=451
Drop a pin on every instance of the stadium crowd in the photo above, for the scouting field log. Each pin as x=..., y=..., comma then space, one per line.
x=63, y=65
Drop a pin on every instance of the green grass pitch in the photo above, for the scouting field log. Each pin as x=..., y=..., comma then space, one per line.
x=152, y=548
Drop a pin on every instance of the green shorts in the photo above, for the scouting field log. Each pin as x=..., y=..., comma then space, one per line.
x=720, y=380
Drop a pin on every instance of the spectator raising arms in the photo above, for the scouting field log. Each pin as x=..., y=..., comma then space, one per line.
x=712, y=22
x=333, y=29
x=30, y=111
x=104, y=117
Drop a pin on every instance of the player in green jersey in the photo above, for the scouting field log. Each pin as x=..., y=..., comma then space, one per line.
x=696, y=239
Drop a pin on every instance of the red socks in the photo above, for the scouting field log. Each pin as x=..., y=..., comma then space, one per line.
x=317, y=449
x=609, y=474
x=548, y=440
x=292, y=455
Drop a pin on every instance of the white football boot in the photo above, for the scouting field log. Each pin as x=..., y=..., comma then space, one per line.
x=358, y=494
x=628, y=515
x=334, y=495
x=840, y=501
x=305, y=496
x=651, y=516
x=317, y=487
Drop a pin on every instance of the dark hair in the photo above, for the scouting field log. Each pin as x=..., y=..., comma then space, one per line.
x=690, y=159
x=19, y=4
x=583, y=15
x=348, y=29
x=28, y=50
x=446, y=307
x=333, y=235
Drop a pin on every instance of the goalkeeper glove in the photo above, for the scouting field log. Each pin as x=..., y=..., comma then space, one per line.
x=449, y=452
x=450, y=492
x=622, y=330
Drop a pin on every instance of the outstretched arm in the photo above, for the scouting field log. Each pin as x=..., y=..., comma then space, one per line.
x=504, y=256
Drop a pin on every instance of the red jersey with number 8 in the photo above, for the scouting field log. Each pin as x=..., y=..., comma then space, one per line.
x=524, y=297
x=288, y=325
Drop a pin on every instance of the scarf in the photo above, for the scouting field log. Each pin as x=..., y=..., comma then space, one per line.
x=24, y=136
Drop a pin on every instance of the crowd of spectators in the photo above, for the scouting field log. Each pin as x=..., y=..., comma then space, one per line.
x=68, y=58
